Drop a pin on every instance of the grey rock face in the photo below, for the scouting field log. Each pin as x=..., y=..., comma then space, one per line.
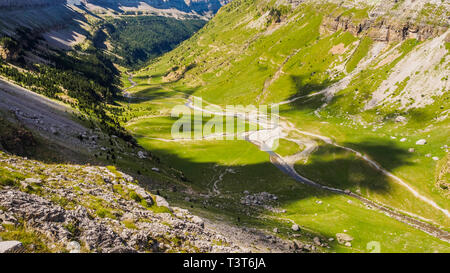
x=197, y=6
x=10, y=246
x=344, y=238
x=82, y=209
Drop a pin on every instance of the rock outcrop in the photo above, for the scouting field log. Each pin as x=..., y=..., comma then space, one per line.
x=389, y=21
x=201, y=7
x=101, y=209
x=384, y=30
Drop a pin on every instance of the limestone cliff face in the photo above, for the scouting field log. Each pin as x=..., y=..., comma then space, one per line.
x=390, y=20
x=189, y=6
x=385, y=30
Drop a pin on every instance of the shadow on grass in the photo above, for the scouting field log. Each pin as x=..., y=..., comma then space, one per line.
x=336, y=167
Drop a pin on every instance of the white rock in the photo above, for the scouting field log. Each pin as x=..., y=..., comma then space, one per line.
x=10, y=246
x=295, y=227
x=155, y=170
x=317, y=241
x=74, y=247
x=33, y=181
x=411, y=150
x=435, y=158
x=400, y=119
x=275, y=230
x=161, y=202
x=141, y=155
x=343, y=238
x=199, y=221
x=421, y=142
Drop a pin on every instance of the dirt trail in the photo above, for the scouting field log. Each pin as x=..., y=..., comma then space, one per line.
x=262, y=139
x=280, y=163
x=262, y=96
x=133, y=83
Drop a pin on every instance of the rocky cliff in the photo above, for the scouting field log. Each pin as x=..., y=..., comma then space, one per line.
x=201, y=7
x=93, y=209
x=390, y=20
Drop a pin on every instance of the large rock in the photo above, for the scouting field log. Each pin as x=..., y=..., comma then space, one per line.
x=343, y=238
x=400, y=119
x=295, y=227
x=161, y=202
x=142, y=193
x=197, y=220
x=33, y=181
x=10, y=246
x=421, y=142
x=74, y=247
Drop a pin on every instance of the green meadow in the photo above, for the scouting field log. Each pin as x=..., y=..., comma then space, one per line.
x=228, y=69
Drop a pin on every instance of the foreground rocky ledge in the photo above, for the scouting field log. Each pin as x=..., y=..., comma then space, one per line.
x=72, y=208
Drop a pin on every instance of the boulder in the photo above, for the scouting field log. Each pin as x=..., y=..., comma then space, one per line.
x=33, y=181
x=295, y=227
x=10, y=246
x=197, y=220
x=421, y=142
x=317, y=241
x=343, y=238
x=141, y=155
x=400, y=119
x=161, y=202
x=74, y=247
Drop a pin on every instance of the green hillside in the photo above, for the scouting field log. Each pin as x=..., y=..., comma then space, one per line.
x=359, y=98
x=135, y=40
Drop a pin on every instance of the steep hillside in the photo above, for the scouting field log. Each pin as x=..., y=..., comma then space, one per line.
x=64, y=24
x=60, y=25
x=62, y=208
x=362, y=88
x=199, y=7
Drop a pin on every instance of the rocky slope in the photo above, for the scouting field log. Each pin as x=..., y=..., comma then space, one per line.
x=391, y=21
x=64, y=24
x=87, y=207
x=201, y=7
x=98, y=208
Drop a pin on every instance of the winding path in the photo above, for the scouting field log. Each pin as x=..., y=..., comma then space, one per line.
x=272, y=131
x=287, y=168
